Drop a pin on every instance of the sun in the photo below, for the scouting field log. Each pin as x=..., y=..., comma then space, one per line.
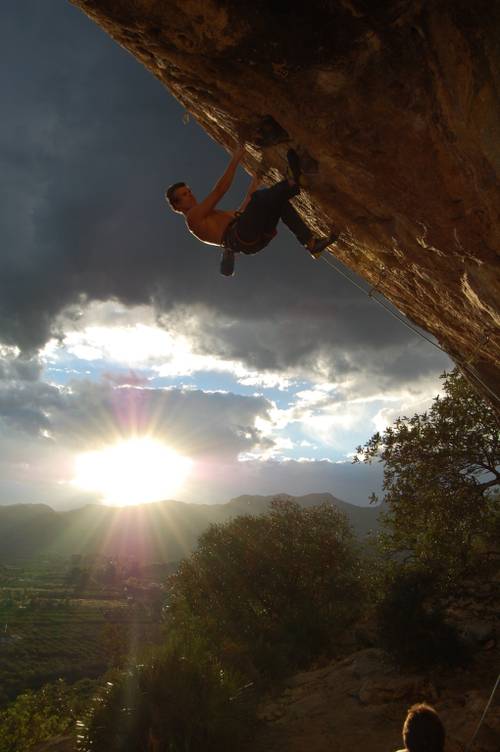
x=130, y=472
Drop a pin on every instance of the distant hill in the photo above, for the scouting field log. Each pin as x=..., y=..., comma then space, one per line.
x=362, y=519
x=161, y=531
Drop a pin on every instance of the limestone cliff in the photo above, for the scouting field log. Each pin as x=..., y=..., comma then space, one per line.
x=395, y=105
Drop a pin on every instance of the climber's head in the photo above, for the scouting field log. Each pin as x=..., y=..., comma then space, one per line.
x=423, y=730
x=180, y=198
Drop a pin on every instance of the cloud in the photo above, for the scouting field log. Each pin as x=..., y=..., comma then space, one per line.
x=15, y=367
x=26, y=406
x=124, y=379
x=87, y=414
x=110, y=332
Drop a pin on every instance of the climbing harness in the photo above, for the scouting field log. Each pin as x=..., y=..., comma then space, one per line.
x=232, y=241
x=464, y=365
x=469, y=746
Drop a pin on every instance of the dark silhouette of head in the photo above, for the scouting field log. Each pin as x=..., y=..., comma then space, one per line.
x=180, y=197
x=170, y=193
x=423, y=730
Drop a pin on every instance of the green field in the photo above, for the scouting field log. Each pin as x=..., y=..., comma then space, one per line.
x=61, y=620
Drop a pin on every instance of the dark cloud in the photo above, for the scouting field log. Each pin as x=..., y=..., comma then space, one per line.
x=18, y=368
x=87, y=415
x=88, y=141
x=25, y=406
x=330, y=349
x=196, y=423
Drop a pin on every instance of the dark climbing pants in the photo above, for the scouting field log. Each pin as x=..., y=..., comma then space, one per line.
x=255, y=227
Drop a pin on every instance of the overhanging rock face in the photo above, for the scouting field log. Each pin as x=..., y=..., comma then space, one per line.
x=398, y=109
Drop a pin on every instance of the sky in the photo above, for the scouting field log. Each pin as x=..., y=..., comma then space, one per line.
x=116, y=324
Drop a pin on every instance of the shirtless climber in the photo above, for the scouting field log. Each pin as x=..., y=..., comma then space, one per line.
x=253, y=226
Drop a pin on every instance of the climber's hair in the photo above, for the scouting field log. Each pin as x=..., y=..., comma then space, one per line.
x=423, y=730
x=170, y=194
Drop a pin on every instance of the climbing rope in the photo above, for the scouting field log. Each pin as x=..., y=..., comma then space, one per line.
x=469, y=746
x=464, y=365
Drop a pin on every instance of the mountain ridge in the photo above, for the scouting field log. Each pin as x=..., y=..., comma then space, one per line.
x=159, y=531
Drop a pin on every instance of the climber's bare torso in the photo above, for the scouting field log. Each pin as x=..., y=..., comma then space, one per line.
x=209, y=228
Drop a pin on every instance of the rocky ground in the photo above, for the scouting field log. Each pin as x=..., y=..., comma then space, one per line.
x=360, y=703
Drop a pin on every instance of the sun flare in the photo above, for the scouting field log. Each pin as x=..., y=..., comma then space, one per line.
x=132, y=472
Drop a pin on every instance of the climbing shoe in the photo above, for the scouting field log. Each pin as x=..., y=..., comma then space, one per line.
x=294, y=164
x=227, y=263
x=320, y=244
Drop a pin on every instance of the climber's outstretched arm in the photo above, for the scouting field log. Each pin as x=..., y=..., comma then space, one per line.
x=254, y=185
x=203, y=209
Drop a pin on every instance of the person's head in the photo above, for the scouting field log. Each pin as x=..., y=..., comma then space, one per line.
x=423, y=730
x=180, y=198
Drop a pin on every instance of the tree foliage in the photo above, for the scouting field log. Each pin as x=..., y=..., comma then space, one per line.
x=37, y=716
x=270, y=592
x=440, y=471
x=175, y=701
x=260, y=594
x=411, y=622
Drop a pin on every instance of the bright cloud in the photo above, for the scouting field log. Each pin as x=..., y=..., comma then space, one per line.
x=132, y=337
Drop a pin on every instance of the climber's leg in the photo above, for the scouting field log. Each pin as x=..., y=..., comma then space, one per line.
x=315, y=245
x=256, y=225
x=295, y=223
x=264, y=210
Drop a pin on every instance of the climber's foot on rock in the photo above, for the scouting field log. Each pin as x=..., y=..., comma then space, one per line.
x=270, y=133
x=316, y=246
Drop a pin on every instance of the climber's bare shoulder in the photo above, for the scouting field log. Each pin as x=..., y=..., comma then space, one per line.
x=209, y=227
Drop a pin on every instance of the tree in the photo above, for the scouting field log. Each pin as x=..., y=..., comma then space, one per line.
x=174, y=701
x=440, y=471
x=411, y=622
x=270, y=592
x=36, y=716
